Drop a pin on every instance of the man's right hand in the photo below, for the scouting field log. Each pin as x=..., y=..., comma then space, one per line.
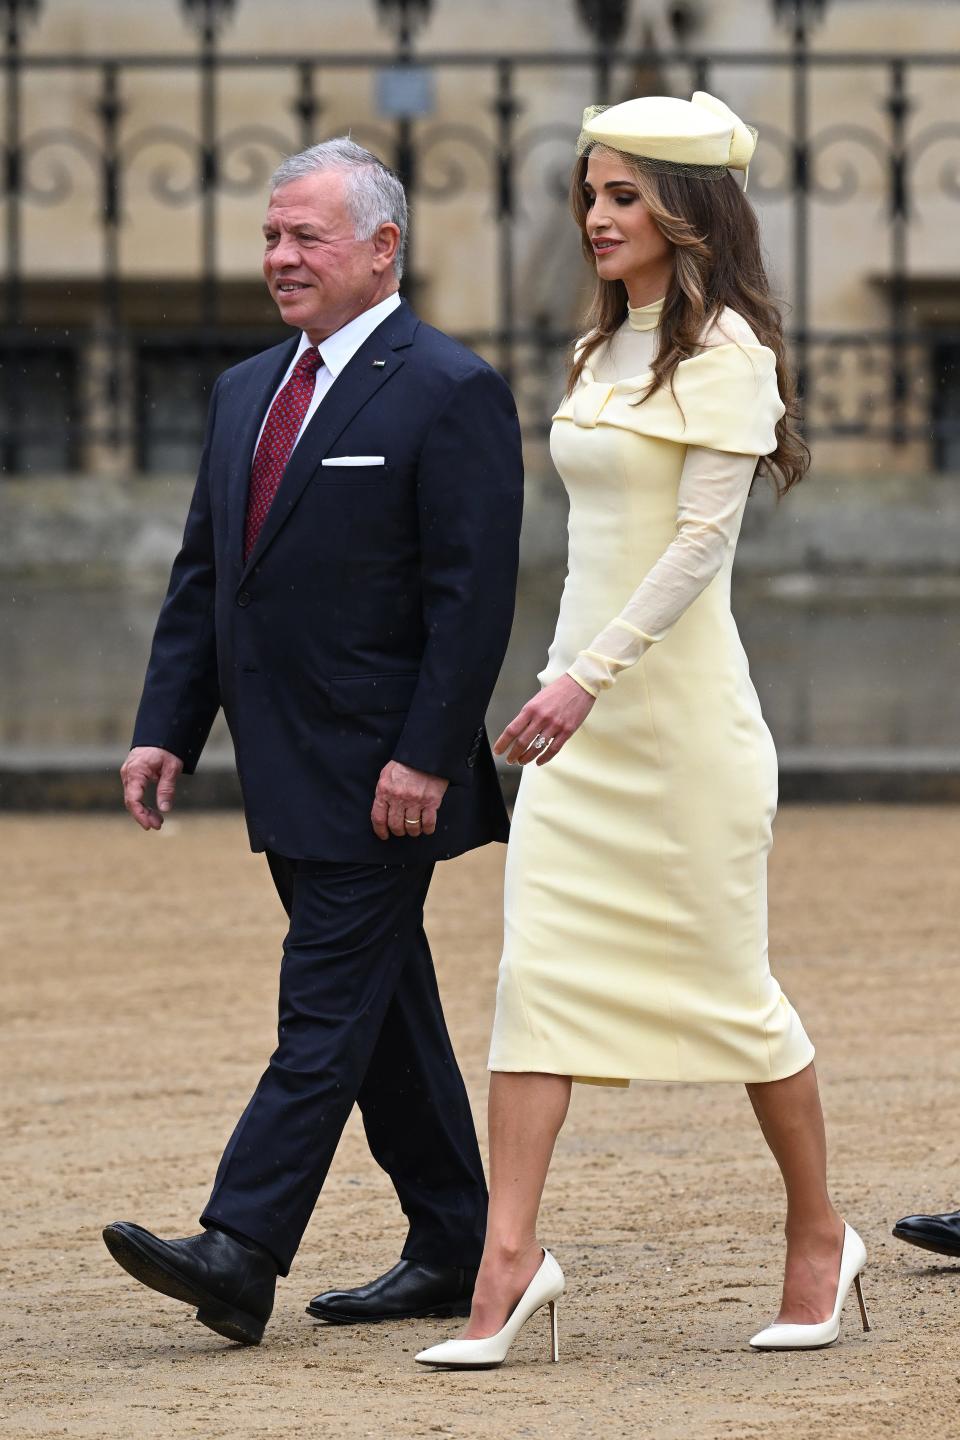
x=146, y=765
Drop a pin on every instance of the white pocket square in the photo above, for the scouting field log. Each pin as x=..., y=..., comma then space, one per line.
x=354, y=460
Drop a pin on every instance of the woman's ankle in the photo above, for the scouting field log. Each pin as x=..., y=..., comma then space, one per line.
x=821, y=1228
x=510, y=1252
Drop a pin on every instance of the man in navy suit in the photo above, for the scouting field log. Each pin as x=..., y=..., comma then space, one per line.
x=345, y=592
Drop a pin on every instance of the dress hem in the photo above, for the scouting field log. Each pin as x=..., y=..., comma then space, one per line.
x=619, y=1081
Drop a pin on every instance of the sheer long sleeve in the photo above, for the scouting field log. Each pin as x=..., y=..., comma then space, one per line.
x=713, y=487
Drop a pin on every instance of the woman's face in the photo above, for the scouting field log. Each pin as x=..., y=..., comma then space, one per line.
x=626, y=243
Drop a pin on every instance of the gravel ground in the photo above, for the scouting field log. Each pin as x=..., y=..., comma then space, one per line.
x=139, y=984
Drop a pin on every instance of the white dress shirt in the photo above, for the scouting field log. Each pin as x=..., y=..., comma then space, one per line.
x=335, y=352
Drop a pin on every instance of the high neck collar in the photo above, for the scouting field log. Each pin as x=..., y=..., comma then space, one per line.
x=645, y=317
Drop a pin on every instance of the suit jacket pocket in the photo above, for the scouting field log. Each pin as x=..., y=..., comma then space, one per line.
x=354, y=462
x=371, y=694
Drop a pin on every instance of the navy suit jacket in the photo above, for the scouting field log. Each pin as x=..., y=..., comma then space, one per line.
x=371, y=619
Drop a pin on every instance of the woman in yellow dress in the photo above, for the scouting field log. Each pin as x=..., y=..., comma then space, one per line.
x=635, y=941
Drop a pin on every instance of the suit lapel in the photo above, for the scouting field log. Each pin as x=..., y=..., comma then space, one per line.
x=356, y=384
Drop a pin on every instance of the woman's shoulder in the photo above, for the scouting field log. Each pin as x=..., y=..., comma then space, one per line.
x=581, y=343
x=601, y=354
x=728, y=327
x=592, y=339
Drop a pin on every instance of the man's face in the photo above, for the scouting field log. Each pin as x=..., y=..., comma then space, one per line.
x=318, y=273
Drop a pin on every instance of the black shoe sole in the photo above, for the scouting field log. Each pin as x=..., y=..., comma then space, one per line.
x=456, y=1310
x=225, y=1320
x=952, y=1251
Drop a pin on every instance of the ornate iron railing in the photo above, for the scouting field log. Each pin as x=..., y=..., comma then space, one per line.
x=76, y=375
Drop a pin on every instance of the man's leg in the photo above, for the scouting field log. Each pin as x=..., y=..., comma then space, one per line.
x=413, y=1088
x=229, y=1278
x=353, y=928
x=282, y=873
x=419, y=1125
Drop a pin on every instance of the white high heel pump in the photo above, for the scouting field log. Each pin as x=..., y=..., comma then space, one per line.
x=545, y=1288
x=853, y=1257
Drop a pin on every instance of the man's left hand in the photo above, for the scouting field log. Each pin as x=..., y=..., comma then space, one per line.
x=406, y=802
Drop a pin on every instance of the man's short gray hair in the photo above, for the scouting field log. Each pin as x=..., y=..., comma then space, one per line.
x=375, y=193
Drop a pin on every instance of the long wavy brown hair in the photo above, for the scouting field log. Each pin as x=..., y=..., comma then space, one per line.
x=717, y=262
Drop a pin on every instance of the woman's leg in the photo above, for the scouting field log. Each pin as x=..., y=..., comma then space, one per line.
x=525, y=1114
x=792, y=1123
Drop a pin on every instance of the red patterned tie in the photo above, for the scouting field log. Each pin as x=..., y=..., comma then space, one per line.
x=277, y=442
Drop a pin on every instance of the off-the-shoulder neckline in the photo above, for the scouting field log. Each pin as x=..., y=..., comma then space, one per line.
x=633, y=380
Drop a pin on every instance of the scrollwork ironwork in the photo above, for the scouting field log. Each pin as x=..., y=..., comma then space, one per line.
x=60, y=186
x=246, y=145
x=557, y=173
x=14, y=15
x=848, y=183
x=888, y=146
x=160, y=184
x=208, y=16
x=456, y=177
x=933, y=135
x=404, y=17
x=782, y=144
x=850, y=396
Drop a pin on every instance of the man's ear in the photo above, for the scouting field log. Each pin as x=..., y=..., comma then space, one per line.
x=386, y=242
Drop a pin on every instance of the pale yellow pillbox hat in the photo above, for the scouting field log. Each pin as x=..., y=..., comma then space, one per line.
x=701, y=132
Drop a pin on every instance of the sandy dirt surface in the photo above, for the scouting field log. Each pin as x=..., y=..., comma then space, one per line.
x=139, y=1000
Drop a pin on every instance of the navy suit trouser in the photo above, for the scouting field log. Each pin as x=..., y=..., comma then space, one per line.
x=360, y=1021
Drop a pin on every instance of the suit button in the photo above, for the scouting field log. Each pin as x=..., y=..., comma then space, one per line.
x=471, y=760
x=243, y=599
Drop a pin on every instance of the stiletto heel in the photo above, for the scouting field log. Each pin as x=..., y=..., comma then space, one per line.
x=545, y=1288
x=853, y=1257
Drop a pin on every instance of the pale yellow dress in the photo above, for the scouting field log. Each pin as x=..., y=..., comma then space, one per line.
x=635, y=936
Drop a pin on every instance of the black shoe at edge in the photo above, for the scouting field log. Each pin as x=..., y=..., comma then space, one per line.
x=410, y=1291
x=231, y=1282
x=940, y=1233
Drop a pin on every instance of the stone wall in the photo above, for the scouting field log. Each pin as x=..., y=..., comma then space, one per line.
x=98, y=531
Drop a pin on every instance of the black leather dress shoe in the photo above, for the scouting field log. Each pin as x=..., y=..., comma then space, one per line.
x=931, y=1232
x=407, y=1292
x=231, y=1282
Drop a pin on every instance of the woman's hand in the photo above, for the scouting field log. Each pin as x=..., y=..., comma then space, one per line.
x=552, y=716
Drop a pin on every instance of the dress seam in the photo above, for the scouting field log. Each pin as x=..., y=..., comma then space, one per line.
x=761, y=862
x=663, y=870
x=763, y=922
x=535, y=1037
x=669, y=939
x=758, y=920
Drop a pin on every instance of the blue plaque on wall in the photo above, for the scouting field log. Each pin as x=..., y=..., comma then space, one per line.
x=405, y=91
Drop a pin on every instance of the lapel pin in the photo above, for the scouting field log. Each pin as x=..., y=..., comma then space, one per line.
x=379, y=364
